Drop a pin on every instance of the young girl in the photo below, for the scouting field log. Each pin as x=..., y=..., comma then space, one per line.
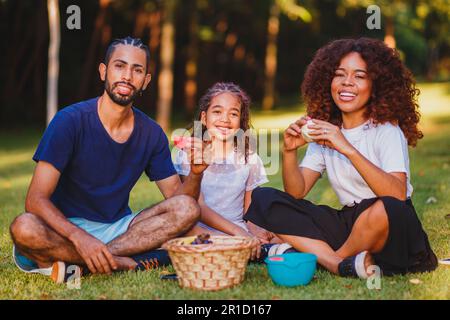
x=234, y=170
x=362, y=100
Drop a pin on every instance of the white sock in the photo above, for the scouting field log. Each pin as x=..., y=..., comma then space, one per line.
x=359, y=265
x=278, y=249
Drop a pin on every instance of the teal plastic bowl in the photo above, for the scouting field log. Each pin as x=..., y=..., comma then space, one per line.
x=292, y=269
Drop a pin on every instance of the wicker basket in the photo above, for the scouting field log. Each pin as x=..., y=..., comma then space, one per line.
x=210, y=267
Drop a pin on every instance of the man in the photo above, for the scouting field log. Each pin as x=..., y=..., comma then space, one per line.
x=89, y=159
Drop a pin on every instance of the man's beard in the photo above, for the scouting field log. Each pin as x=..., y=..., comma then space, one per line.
x=119, y=99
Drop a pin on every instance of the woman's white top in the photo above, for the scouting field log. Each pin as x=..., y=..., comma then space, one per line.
x=225, y=182
x=384, y=145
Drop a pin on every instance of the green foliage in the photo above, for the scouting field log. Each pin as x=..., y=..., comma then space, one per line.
x=231, y=47
x=294, y=11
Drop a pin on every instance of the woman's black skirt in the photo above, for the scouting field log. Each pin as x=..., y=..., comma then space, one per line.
x=406, y=250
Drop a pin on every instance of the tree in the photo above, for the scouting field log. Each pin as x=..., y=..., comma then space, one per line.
x=190, y=87
x=273, y=27
x=165, y=81
x=53, y=59
x=98, y=36
x=293, y=11
x=389, y=9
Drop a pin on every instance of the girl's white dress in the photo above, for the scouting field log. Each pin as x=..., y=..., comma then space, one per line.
x=225, y=182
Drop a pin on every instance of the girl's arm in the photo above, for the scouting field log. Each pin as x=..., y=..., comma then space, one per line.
x=216, y=221
x=262, y=234
x=211, y=218
x=382, y=183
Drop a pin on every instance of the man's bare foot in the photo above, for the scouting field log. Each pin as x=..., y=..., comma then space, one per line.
x=125, y=263
x=44, y=265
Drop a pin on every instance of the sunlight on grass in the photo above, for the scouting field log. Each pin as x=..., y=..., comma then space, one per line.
x=14, y=159
x=267, y=120
x=434, y=99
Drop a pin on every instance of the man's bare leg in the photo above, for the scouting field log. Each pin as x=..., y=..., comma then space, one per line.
x=148, y=230
x=157, y=224
x=37, y=241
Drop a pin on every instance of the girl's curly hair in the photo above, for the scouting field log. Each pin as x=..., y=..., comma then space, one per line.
x=394, y=93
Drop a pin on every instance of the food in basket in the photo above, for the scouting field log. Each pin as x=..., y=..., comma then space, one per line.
x=218, y=265
x=202, y=238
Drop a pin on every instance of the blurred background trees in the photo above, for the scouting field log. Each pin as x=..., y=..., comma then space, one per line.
x=263, y=45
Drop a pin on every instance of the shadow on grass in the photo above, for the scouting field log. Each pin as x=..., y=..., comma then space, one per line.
x=19, y=139
x=17, y=169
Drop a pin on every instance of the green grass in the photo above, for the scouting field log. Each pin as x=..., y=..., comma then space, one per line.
x=430, y=169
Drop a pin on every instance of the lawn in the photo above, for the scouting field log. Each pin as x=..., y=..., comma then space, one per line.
x=430, y=170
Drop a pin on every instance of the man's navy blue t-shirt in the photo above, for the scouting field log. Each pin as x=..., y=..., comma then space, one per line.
x=97, y=173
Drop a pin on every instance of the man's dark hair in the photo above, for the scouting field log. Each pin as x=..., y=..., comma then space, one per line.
x=128, y=41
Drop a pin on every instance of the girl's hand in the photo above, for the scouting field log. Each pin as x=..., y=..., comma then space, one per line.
x=329, y=135
x=262, y=234
x=293, y=138
x=256, y=251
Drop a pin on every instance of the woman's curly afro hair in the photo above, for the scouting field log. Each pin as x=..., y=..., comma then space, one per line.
x=394, y=94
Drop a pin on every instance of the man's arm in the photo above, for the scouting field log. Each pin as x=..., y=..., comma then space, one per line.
x=172, y=186
x=44, y=181
x=198, y=155
x=42, y=186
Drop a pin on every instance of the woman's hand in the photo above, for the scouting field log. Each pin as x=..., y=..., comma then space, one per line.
x=327, y=134
x=293, y=138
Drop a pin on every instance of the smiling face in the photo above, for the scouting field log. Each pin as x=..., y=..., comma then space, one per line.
x=222, y=119
x=351, y=86
x=125, y=75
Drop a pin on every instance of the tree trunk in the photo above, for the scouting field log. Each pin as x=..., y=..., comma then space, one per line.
x=190, y=86
x=273, y=27
x=154, y=24
x=41, y=39
x=97, y=37
x=53, y=59
x=389, y=37
x=165, y=81
x=140, y=23
x=432, y=62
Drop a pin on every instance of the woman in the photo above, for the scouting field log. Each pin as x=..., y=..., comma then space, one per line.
x=362, y=102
